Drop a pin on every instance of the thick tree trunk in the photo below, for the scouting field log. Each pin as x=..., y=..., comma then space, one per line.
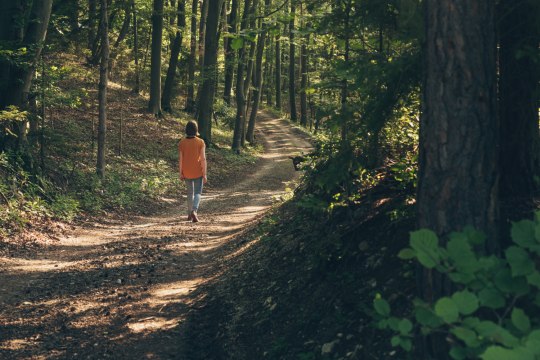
x=154, y=106
x=102, y=90
x=190, y=100
x=240, y=96
x=173, y=61
x=458, y=175
x=257, y=80
x=211, y=43
x=278, y=72
x=518, y=98
x=230, y=53
x=31, y=35
x=292, y=63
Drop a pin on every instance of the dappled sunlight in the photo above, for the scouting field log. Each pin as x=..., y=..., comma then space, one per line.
x=152, y=324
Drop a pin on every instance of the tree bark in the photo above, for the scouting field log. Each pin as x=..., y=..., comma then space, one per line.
x=230, y=53
x=92, y=16
x=518, y=98
x=258, y=79
x=102, y=90
x=303, y=81
x=154, y=105
x=211, y=43
x=173, y=61
x=292, y=61
x=240, y=96
x=278, y=72
x=137, y=85
x=190, y=100
x=458, y=174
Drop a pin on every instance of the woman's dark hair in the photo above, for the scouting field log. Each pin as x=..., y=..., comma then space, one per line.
x=191, y=128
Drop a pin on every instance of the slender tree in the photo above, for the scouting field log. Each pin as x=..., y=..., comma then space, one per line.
x=211, y=43
x=303, y=83
x=292, y=63
x=278, y=71
x=230, y=53
x=154, y=104
x=190, y=99
x=173, y=60
x=258, y=79
x=240, y=96
x=458, y=172
x=102, y=90
x=137, y=85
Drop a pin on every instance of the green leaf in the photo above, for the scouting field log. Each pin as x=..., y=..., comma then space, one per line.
x=381, y=307
x=534, y=279
x=447, y=310
x=426, y=317
x=395, y=341
x=460, y=251
x=491, y=298
x=523, y=233
x=474, y=236
x=511, y=285
x=458, y=353
x=466, y=302
x=500, y=353
x=405, y=326
x=521, y=320
x=426, y=245
x=406, y=254
x=237, y=43
x=468, y=336
x=494, y=332
x=519, y=260
x=406, y=344
x=533, y=342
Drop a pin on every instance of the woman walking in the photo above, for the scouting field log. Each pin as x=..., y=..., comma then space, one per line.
x=192, y=168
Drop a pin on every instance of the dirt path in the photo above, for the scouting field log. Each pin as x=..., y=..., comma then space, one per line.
x=122, y=291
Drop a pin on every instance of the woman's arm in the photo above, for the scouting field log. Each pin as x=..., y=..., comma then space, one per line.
x=180, y=163
x=203, y=162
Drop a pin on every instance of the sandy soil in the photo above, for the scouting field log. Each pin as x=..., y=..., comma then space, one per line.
x=121, y=289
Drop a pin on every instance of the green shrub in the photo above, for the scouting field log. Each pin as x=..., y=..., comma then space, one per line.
x=494, y=313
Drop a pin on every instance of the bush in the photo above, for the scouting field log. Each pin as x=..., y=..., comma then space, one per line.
x=494, y=313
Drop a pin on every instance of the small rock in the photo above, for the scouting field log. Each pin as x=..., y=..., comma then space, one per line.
x=329, y=347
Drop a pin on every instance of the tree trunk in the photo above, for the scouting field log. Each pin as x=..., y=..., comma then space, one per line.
x=458, y=172
x=278, y=72
x=303, y=83
x=31, y=35
x=202, y=30
x=292, y=60
x=137, y=86
x=92, y=16
x=258, y=80
x=240, y=96
x=230, y=53
x=154, y=106
x=173, y=61
x=268, y=71
x=344, y=84
x=190, y=100
x=518, y=98
x=102, y=90
x=211, y=43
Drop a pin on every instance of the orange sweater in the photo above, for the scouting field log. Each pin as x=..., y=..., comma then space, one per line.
x=190, y=150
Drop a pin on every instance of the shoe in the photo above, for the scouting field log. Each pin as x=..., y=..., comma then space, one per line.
x=194, y=217
x=189, y=217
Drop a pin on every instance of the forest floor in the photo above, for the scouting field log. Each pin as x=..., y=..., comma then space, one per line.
x=122, y=288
